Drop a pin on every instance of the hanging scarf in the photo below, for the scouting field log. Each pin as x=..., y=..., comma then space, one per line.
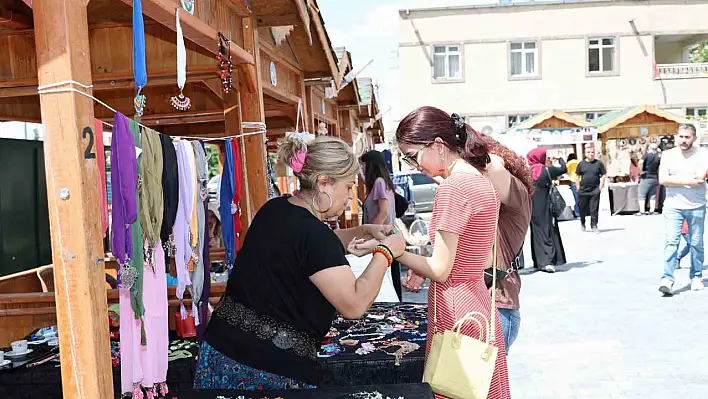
x=151, y=200
x=206, y=287
x=237, y=178
x=180, y=101
x=170, y=194
x=101, y=161
x=124, y=183
x=193, y=223
x=137, y=263
x=226, y=204
x=139, y=64
x=183, y=251
x=198, y=272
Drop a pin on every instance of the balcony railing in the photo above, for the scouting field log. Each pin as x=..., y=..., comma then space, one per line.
x=681, y=71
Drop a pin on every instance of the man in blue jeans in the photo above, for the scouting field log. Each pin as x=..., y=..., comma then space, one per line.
x=683, y=172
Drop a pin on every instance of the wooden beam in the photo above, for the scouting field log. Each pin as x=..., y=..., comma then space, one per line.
x=193, y=28
x=180, y=118
x=326, y=45
x=63, y=53
x=241, y=7
x=279, y=20
x=278, y=94
x=252, y=110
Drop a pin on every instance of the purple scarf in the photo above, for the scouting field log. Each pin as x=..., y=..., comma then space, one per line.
x=124, y=183
x=183, y=249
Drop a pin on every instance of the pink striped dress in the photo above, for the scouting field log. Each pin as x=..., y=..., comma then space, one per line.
x=467, y=205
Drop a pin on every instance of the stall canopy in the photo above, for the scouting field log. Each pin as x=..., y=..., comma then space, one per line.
x=634, y=122
x=552, y=119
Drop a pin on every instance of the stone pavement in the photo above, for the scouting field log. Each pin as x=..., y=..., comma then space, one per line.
x=599, y=328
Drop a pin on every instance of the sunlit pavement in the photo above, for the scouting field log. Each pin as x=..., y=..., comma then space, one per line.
x=599, y=328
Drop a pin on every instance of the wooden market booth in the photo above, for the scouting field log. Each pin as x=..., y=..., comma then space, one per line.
x=69, y=50
x=555, y=119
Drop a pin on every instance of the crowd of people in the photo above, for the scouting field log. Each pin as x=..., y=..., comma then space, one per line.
x=288, y=282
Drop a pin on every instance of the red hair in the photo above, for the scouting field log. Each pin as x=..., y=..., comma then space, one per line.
x=425, y=124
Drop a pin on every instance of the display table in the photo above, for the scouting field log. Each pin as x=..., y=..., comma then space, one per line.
x=385, y=330
x=407, y=391
x=623, y=198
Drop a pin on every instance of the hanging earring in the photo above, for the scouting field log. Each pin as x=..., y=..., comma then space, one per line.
x=442, y=164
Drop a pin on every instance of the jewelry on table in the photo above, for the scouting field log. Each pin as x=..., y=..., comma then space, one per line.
x=405, y=348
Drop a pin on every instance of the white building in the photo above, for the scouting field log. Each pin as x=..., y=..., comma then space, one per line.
x=500, y=64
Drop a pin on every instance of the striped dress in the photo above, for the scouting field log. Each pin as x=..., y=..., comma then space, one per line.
x=467, y=205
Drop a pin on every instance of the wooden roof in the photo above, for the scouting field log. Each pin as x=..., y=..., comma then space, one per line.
x=618, y=117
x=349, y=95
x=553, y=118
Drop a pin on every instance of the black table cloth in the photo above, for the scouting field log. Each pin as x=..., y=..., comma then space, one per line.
x=356, y=353
x=407, y=391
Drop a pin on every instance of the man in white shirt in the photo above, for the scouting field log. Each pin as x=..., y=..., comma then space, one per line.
x=683, y=172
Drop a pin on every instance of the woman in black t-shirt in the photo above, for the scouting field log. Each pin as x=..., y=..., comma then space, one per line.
x=291, y=275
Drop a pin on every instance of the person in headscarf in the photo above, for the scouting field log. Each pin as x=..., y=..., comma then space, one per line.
x=546, y=244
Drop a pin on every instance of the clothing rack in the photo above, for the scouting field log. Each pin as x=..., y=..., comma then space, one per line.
x=56, y=88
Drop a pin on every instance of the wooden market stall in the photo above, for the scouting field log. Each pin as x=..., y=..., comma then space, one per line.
x=57, y=55
x=557, y=120
x=625, y=133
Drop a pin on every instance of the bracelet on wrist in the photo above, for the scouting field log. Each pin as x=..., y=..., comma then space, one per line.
x=383, y=250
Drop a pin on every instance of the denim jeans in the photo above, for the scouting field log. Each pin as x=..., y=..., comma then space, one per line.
x=576, y=208
x=673, y=219
x=684, y=247
x=510, y=321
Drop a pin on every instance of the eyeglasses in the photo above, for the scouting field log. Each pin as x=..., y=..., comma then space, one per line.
x=412, y=160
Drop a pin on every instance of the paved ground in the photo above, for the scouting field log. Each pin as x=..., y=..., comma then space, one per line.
x=600, y=329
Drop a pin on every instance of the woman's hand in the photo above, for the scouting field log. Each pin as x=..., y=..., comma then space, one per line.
x=361, y=247
x=379, y=231
x=413, y=282
x=396, y=243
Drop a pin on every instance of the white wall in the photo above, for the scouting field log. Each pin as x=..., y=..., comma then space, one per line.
x=562, y=32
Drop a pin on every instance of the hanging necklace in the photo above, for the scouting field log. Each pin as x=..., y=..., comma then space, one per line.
x=180, y=101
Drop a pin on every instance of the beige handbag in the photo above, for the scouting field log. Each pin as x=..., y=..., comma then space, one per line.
x=460, y=366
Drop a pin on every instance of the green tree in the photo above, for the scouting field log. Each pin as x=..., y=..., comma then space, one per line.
x=700, y=52
x=212, y=153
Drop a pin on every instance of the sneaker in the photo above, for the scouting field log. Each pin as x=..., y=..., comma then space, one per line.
x=696, y=284
x=582, y=228
x=665, y=286
x=639, y=214
x=549, y=269
x=595, y=230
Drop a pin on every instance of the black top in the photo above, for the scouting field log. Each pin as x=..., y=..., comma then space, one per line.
x=284, y=246
x=650, y=167
x=591, y=173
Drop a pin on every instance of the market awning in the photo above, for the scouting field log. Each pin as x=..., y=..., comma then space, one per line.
x=552, y=119
x=643, y=120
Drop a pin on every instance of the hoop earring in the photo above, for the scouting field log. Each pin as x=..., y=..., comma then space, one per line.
x=314, y=202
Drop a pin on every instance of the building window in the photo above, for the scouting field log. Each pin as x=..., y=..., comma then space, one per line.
x=602, y=52
x=591, y=116
x=698, y=113
x=447, y=62
x=514, y=120
x=523, y=59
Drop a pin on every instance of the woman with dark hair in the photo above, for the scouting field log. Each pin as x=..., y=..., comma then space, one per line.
x=511, y=177
x=380, y=202
x=462, y=227
x=546, y=244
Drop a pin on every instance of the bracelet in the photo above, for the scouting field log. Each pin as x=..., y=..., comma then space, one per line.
x=383, y=250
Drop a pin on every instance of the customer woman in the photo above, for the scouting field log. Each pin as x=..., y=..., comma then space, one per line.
x=290, y=277
x=546, y=244
x=380, y=202
x=511, y=178
x=462, y=227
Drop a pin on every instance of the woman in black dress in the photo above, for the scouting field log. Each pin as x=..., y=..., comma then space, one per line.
x=546, y=244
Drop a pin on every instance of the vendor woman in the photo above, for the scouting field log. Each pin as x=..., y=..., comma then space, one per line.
x=290, y=277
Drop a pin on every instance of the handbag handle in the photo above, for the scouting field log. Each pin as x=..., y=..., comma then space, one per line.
x=491, y=338
x=471, y=317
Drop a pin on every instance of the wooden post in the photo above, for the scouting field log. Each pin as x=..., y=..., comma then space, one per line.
x=251, y=107
x=61, y=37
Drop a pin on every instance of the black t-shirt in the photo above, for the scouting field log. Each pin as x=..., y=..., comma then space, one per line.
x=591, y=173
x=284, y=246
x=650, y=167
